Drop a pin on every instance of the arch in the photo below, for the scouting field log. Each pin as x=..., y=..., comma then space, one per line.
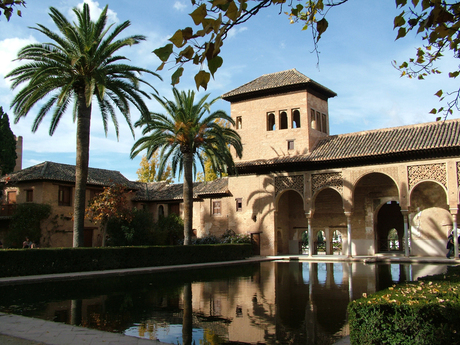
x=389, y=220
x=271, y=122
x=283, y=120
x=323, y=190
x=369, y=173
x=426, y=194
x=161, y=211
x=290, y=221
x=295, y=123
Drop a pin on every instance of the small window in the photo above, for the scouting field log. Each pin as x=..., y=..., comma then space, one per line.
x=11, y=197
x=29, y=195
x=216, y=208
x=295, y=118
x=283, y=120
x=161, y=211
x=239, y=204
x=64, y=195
x=313, y=118
x=239, y=122
x=318, y=121
x=290, y=144
x=324, y=123
x=271, y=122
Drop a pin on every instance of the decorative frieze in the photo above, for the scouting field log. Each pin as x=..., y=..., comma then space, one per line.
x=434, y=172
x=334, y=180
x=295, y=182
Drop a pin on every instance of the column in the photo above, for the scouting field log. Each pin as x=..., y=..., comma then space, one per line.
x=348, y=215
x=310, y=237
x=454, y=228
x=405, y=214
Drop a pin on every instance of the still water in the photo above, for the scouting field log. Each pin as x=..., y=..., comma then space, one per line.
x=264, y=303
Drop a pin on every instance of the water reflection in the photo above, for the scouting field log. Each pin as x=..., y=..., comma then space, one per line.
x=267, y=303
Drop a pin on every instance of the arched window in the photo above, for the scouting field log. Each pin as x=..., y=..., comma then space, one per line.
x=295, y=118
x=313, y=118
x=239, y=122
x=283, y=120
x=271, y=122
x=161, y=211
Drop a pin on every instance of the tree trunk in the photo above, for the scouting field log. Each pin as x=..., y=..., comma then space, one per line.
x=188, y=197
x=81, y=169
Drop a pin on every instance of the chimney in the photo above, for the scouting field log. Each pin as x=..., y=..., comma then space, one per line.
x=18, y=154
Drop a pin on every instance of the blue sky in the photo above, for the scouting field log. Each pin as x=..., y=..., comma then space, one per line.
x=356, y=55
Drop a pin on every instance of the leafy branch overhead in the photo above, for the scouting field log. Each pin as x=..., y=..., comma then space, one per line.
x=7, y=7
x=437, y=22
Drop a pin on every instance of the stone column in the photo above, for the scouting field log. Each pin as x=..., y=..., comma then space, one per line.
x=310, y=237
x=348, y=215
x=454, y=228
x=405, y=214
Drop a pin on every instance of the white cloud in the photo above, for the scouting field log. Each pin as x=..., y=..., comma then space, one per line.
x=95, y=11
x=180, y=6
x=235, y=31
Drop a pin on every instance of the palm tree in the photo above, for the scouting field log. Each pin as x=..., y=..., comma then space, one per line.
x=187, y=132
x=78, y=65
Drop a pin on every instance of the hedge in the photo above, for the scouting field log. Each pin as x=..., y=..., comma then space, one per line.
x=423, y=312
x=21, y=262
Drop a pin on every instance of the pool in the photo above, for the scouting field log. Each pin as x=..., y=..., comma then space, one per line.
x=261, y=303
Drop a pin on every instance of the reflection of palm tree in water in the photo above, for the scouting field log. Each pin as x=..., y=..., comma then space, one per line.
x=187, y=325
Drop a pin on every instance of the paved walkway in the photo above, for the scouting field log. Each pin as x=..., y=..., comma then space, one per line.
x=20, y=330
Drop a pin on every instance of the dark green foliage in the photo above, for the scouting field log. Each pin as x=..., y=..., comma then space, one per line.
x=7, y=145
x=63, y=260
x=26, y=222
x=424, y=312
x=168, y=230
x=136, y=232
x=229, y=236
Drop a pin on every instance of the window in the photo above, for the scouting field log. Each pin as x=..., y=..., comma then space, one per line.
x=29, y=195
x=295, y=119
x=11, y=197
x=290, y=144
x=313, y=118
x=65, y=193
x=271, y=122
x=161, y=211
x=239, y=122
x=216, y=205
x=318, y=121
x=283, y=120
x=239, y=204
x=324, y=123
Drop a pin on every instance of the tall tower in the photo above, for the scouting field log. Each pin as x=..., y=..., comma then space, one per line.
x=279, y=114
x=18, y=165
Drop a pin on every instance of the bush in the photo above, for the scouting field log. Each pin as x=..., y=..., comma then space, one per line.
x=229, y=236
x=26, y=222
x=168, y=230
x=137, y=232
x=424, y=312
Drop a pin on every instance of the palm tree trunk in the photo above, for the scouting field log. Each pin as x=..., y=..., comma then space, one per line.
x=188, y=197
x=81, y=169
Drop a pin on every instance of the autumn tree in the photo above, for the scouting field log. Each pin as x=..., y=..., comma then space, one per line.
x=7, y=7
x=147, y=171
x=111, y=203
x=438, y=22
x=7, y=145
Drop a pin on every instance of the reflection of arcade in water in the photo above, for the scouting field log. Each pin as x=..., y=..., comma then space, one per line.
x=271, y=302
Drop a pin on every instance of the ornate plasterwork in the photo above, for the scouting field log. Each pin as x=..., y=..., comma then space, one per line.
x=334, y=180
x=295, y=182
x=435, y=172
x=357, y=174
x=458, y=173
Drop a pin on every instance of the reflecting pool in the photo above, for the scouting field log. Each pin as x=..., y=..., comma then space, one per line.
x=265, y=303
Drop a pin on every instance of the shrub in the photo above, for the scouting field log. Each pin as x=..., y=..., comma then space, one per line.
x=135, y=232
x=26, y=222
x=168, y=230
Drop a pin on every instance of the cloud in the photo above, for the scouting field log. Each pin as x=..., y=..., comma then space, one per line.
x=96, y=10
x=235, y=31
x=180, y=6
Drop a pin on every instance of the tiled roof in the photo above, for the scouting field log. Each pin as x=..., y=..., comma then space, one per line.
x=437, y=137
x=157, y=191
x=277, y=80
x=66, y=173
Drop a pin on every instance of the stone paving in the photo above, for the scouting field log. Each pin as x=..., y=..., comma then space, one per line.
x=20, y=330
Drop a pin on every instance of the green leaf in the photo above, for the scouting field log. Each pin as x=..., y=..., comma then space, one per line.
x=175, y=78
x=199, y=14
x=214, y=64
x=399, y=21
x=439, y=93
x=202, y=79
x=401, y=33
x=187, y=52
x=232, y=12
x=433, y=111
x=321, y=27
x=164, y=52
x=177, y=39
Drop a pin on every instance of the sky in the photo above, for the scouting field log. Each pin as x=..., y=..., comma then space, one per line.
x=355, y=61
